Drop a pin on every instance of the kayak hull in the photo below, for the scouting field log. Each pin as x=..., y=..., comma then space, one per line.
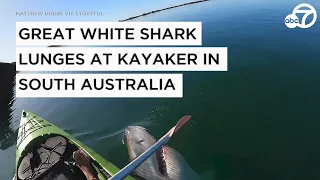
x=33, y=127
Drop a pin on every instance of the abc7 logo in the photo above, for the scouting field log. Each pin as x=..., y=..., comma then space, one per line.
x=292, y=20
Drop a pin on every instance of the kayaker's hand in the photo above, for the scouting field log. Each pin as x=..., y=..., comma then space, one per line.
x=84, y=163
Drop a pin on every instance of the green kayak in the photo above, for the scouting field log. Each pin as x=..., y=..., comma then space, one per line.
x=44, y=151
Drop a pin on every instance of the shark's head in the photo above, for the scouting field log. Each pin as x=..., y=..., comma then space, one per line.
x=137, y=140
x=164, y=164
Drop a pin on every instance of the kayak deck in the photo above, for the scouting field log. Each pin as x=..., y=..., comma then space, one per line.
x=44, y=149
x=50, y=158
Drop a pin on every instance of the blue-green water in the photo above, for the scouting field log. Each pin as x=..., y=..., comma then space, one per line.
x=259, y=120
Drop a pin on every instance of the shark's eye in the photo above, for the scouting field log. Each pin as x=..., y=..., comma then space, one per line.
x=139, y=142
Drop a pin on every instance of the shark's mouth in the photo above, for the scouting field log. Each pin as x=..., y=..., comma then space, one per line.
x=160, y=155
x=161, y=162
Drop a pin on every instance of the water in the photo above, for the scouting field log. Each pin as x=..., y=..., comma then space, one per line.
x=259, y=120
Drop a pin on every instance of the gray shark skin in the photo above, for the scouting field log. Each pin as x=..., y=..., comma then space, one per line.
x=165, y=164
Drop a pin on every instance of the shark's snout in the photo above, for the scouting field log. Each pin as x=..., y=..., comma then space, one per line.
x=165, y=164
x=125, y=135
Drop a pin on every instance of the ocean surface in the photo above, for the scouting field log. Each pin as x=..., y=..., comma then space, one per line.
x=260, y=120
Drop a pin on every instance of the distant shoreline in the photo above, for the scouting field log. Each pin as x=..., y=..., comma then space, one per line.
x=151, y=12
x=171, y=7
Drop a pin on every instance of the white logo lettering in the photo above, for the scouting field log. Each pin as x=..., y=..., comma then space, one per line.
x=292, y=20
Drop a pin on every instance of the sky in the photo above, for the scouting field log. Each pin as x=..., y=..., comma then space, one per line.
x=113, y=10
